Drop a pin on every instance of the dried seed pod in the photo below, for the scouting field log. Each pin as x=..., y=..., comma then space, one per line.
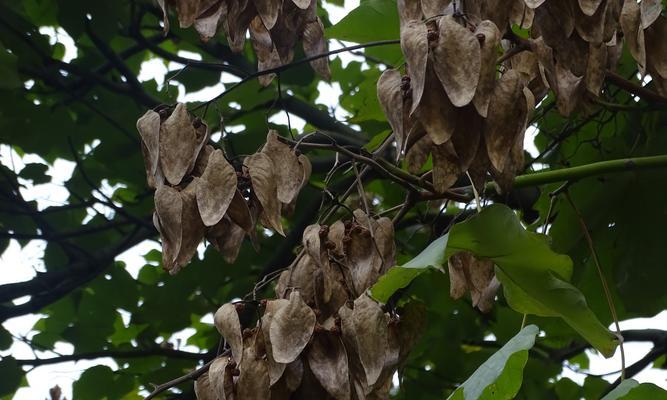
x=314, y=43
x=633, y=33
x=215, y=189
x=436, y=113
x=169, y=211
x=327, y=360
x=290, y=171
x=414, y=44
x=149, y=130
x=227, y=238
x=291, y=329
x=268, y=11
x=264, y=184
x=265, y=50
x=227, y=322
x=275, y=368
x=253, y=381
x=177, y=145
x=457, y=61
x=487, y=74
x=204, y=389
x=391, y=100
x=219, y=378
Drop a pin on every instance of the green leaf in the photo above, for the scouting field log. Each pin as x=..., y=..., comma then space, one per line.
x=372, y=20
x=400, y=276
x=500, y=376
x=533, y=276
x=630, y=389
x=10, y=375
x=8, y=70
x=36, y=173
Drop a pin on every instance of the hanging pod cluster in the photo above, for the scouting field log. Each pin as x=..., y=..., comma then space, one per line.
x=323, y=337
x=199, y=194
x=274, y=26
x=452, y=104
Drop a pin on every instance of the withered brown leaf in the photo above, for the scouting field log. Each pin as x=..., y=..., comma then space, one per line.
x=650, y=11
x=291, y=329
x=487, y=74
x=204, y=389
x=390, y=97
x=149, y=130
x=268, y=11
x=633, y=33
x=370, y=332
x=169, y=210
x=314, y=43
x=267, y=55
x=227, y=238
x=253, y=382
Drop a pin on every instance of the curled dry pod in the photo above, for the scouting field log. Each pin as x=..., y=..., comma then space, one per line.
x=534, y=3
x=431, y=8
x=568, y=91
x=390, y=97
x=335, y=236
x=409, y=10
x=364, y=262
x=467, y=273
x=436, y=113
x=633, y=33
x=267, y=55
x=207, y=23
x=253, y=382
x=596, y=68
x=227, y=238
x=276, y=369
x=169, y=210
x=204, y=389
x=291, y=329
x=312, y=244
x=178, y=142
x=264, y=185
x=488, y=296
x=457, y=61
x=268, y=11
x=299, y=275
x=650, y=11
x=589, y=7
x=289, y=171
x=487, y=74
x=446, y=168
x=149, y=130
x=227, y=322
x=239, y=212
x=327, y=360
x=503, y=123
x=302, y=4
x=591, y=27
x=521, y=14
x=369, y=335
x=215, y=189
x=417, y=155
x=414, y=44
x=192, y=228
x=314, y=44
x=217, y=373
x=656, y=43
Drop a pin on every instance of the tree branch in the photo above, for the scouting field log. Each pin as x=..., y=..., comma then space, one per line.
x=135, y=353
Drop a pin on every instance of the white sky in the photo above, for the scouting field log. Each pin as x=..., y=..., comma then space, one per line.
x=20, y=264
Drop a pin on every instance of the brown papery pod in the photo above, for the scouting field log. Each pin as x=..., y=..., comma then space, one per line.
x=457, y=58
x=291, y=329
x=314, y=43
x=289, y=171
x=299, y=275
x=436, y=113
x=596, y=68
x=589, y=7
x=253, y=382
x=226, y=320
x=227, y=238
x=409, y=10
x=187, y=12
x=496, y=11
x=267, y=55
x=650, y=11
x=268, y=11
x=204, y=389
x=414, y=44
x=633, y=32
x=207, y=23
x=431, y=8
x=489, y=37
x=370, y=332
x=169, y=209
x=216, y=374
x=327, y=359
x=276, y=369
x=239, y=212
x=467, y=273
x=192, y=228
x=390, y=97
x=215, y=189
x=534, y=3
x=178, y=142
x=312, y=244
x=568, y=91
x=521, y=14
x=302, y=4
x=503, y=123
x=446, y=166
x=265, y=186
x=488, y=296
x=149, y=130
x=335, y=236
x=656, y=43
x=239, y=15
x=364, y=262
x=591, y=27
x=417, y=155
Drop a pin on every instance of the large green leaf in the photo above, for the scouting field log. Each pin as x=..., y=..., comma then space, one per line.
x=372, y=20
x=533, y=276
x=10, y=375
x=501, y=375
x=630, y=389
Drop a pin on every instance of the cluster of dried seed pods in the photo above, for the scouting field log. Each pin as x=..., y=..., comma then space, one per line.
x=467, y=273
x=323, y=338
x=200, y=194
x=454, y=105
x=275, y=28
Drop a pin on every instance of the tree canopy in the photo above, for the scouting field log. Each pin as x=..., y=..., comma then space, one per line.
x=401, y=244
